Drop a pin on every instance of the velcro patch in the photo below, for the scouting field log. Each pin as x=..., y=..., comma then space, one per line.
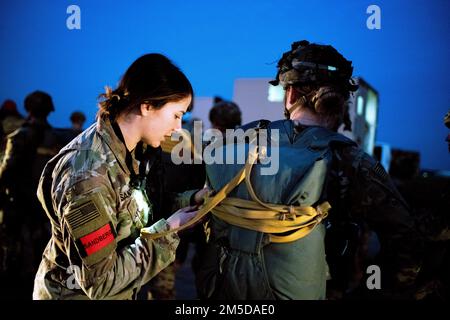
x=98, y=239
x=380, y=172
x=82, y=215
x=91, y=227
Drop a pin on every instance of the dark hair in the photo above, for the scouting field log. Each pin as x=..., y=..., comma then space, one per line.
x=8, y=108
x=77, y=116
x=217, y=99
x=330, y=103
x=225, y=115
x=151, y=79
x=39, y=104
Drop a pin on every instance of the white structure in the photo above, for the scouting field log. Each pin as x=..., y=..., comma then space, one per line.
x=260, y=100
x=364, y=116
x=202, y=105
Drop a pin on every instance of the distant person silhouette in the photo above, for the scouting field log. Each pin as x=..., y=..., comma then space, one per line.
x=10, y=120
x=78, y=119
x=25, y=227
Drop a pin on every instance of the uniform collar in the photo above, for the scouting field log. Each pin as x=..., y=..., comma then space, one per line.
x=118, y=148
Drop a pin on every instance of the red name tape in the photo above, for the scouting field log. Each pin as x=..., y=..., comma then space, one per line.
x=98, y=239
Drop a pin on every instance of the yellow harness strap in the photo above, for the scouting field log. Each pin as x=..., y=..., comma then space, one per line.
x=256, y=215
x=207, y=207
x=280, y=219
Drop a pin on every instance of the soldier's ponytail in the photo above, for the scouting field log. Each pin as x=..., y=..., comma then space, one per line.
x=329, y=102
x=112, y=103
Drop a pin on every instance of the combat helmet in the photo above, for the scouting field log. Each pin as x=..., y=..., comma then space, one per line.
x=309, y=63
x=319, y=68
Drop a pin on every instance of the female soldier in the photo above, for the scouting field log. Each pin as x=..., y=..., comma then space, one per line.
x=92, y=191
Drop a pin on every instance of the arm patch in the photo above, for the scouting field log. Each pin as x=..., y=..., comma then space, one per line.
x=91, y=228
x=380, y=171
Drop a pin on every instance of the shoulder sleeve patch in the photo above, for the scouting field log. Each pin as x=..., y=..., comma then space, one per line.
x=380, y=172
x=97, y=240
x=91, y=228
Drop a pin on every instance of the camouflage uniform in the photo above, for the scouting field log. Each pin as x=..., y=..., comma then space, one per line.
x=11, y=124
x=8, y=126
x=96, y=219
x=362, y=193
x=24, y=229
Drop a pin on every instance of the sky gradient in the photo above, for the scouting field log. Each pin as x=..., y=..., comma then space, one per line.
x=216, y=42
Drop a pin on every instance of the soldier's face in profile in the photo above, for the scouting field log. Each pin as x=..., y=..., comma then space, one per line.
x=157, y=124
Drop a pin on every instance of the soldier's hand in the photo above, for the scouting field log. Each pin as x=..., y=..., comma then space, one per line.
x=182, y=216
x=200, y=196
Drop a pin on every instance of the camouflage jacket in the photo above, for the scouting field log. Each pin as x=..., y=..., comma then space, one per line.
x=95, y=251
x=360, y=190
x=27, y=151
x=7, y=126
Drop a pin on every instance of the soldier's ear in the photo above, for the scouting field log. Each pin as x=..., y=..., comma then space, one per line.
x=146, y=109
x=291, y=95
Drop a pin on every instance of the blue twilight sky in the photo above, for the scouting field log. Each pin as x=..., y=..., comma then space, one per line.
x=215, y=42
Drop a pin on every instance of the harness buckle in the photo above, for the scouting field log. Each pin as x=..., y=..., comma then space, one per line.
x=290, y=215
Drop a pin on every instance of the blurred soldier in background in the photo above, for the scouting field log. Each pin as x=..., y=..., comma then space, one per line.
x=78, y=119
x=10, y=120
x=225, y=115
x=429, y=197
x=66, y=135
x=25, y=228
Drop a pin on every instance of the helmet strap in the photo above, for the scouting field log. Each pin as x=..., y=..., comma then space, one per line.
x=295, y=106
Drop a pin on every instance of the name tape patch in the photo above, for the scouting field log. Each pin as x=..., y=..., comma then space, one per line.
x=97, y=239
